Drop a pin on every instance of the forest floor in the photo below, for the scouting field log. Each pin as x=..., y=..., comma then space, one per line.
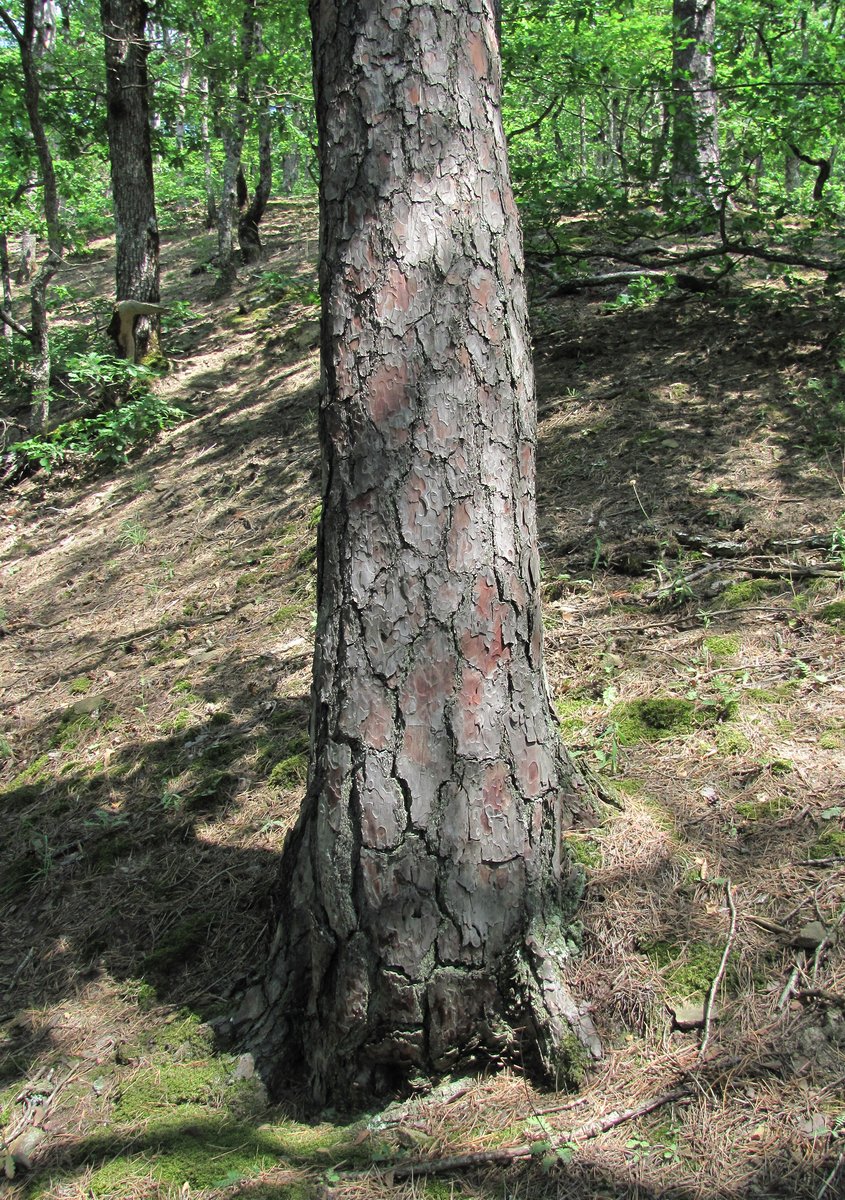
x=156, y=639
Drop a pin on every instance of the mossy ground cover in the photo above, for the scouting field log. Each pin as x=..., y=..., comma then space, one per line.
x=142, y=838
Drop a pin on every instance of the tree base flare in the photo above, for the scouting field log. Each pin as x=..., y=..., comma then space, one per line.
x=456, y=1019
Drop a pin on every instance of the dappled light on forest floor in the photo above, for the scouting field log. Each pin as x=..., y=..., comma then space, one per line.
x=157, y=648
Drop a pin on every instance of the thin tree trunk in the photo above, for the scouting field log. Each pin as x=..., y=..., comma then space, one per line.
x=249, y=239
x=233, y=133
x=695, y=133
x=208, y=173
x=130, y=151
x=7, y=283
x=26, y=257
x=425, y=908
x=233, y=130
x=33, y=40
x=184, y=86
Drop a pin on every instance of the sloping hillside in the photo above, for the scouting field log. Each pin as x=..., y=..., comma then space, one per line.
x=157, y=628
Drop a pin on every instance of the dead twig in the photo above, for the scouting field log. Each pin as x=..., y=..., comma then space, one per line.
x=720, y=974
x=783, y=998
x=831, y=1176
x=509, y=1154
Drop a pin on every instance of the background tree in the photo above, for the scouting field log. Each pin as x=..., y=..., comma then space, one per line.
x=34, y=39
x=695, y=129
x=425, y=908
x=130, y=152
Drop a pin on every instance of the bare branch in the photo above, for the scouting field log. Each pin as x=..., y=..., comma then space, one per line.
x=9, y=22
x=8, y=319
x=509, y=1154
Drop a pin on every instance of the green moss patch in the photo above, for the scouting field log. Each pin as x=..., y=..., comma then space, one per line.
x=161, y=1088
x=834, y=614
x=732, y=741
x=780, y=693
x=571, y=715
x=659, y=717
x=760, y=810
x=290, y=772
x=688, y=970
x=202, y=1150
x=289, y=612
x=830, y=844
x=747, y=591
x=831, y=740
x=584, y=849
x=722, y=647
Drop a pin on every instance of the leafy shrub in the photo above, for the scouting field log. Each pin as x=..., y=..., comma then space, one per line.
x=106, y=438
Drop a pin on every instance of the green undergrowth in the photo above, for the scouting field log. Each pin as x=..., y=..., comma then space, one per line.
x=105, y=439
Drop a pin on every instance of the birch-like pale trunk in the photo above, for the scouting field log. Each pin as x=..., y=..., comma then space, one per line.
x=695, y=129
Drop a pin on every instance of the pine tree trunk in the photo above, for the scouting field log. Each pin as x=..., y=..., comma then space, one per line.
x=425, y=906
x=126, y=49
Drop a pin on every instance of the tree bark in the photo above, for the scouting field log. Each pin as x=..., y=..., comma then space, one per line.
x=249, y=238
x=208, y=174
x=33, y=41
x=695, y=132
x=425, y=906
x=130, y=151
x=233, y=132
x=6, y=274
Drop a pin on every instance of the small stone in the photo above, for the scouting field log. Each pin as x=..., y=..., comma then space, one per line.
x=87, y=705
x=22, y=1148
x=814, y=1126
x=245, y=1068
x=690, y=1015
x=307, y=335
x=810, y=936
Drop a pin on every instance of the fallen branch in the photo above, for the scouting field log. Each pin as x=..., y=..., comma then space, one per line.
x=568, y=287
x=510, y=1154
x=720, y=974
